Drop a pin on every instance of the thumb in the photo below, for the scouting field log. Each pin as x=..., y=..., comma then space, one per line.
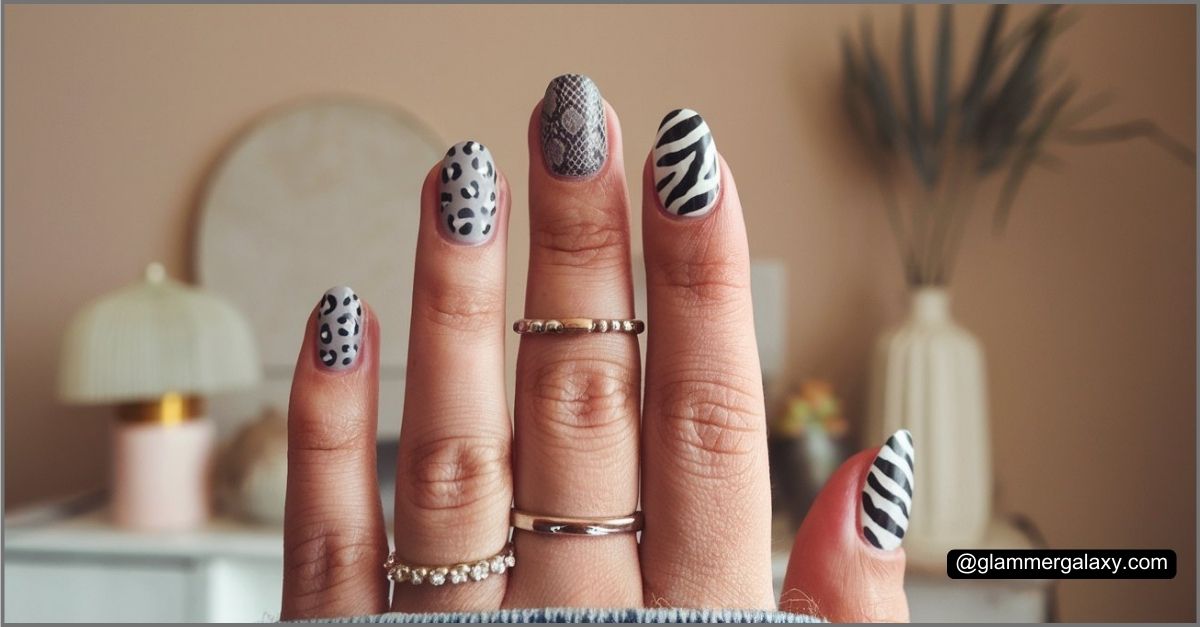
x=847, y=564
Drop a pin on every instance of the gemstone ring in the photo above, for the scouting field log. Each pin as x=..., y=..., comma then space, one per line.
x=477, y=570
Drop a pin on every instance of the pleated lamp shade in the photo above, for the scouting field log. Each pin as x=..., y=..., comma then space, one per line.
x=155, y=337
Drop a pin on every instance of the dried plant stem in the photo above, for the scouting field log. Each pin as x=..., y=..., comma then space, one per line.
x=957, y=233
x=999, y=123
x=891, y=203
x=949, y=208
x=931, y=214
x=1131, y=130
x=922, y=217
x=936, y=210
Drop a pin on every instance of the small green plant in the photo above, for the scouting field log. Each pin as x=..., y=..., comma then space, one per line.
x=815, y=408
x=1000, y=122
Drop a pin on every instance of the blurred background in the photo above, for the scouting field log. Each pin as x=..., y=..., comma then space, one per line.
x=190, y=136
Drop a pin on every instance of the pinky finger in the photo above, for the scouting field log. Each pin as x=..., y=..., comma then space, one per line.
x=333, y=537
x=847, y=564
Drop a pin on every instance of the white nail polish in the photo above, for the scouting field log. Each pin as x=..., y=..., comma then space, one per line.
x=887, y=493
x=467, y=194
x=339, y=328
x=687, y=172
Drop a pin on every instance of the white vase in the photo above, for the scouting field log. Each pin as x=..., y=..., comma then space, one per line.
x=928, y=377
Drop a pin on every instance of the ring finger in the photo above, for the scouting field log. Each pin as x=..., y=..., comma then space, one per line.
x=577, y=395
x=707, y=488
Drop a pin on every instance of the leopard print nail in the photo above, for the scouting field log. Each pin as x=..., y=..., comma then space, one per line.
x=467, y=193
x=573, y=128
x=339, y=328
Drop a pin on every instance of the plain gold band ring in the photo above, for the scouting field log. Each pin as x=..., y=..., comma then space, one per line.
x=572, y=526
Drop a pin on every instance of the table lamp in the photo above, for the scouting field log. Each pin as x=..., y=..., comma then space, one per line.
x=153, y=349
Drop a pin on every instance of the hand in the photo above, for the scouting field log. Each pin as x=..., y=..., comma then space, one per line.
x=695, y=451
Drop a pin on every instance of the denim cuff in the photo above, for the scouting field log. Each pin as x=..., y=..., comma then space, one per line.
x=588, y=615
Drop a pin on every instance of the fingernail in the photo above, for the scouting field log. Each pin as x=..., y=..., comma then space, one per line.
x=467, y=193
x=887, y=494
x=687, y=172
x=574, y=133
x=339, y=328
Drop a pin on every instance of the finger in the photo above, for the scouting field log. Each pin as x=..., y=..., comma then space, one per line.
x=333, y=536
x=847, y=564
x=577, y=396
x=706, y=491
x=453, y=482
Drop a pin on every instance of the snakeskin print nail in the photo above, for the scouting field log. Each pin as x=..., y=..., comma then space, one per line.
x=339, y=328
x=467, y=195
x=687, y=173
x=574, y=131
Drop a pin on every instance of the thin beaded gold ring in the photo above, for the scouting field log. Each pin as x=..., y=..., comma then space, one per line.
x=555, y=326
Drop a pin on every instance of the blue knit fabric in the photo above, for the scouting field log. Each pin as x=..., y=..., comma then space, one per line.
x=587, y=615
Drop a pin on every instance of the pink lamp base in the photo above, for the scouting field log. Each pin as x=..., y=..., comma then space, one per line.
x=160, y=474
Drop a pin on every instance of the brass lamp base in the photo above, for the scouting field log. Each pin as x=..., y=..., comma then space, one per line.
x=170, y=409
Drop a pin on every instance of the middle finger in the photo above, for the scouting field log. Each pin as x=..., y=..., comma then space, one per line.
x=577, y=395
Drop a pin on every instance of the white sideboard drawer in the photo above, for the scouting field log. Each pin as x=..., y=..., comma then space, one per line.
x=45, y=589
x=79, y=567
x=243, y=590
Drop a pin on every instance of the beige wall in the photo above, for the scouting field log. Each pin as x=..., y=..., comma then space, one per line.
x=114, y=115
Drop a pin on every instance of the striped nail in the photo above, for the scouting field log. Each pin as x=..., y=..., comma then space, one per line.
x=887, y=494
x=467, y=193
x=687, y=172
x=339, y=328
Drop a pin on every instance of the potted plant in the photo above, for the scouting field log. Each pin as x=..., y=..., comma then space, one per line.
x=806, y=441
x=931, y=151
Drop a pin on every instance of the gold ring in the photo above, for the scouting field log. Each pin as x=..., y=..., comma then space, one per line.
x=477, y=570
x=570, y=526
x=531, y=326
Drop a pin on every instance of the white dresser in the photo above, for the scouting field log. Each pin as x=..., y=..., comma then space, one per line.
x=83, y=569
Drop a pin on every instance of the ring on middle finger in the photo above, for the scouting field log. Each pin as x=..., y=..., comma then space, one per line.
x=554, y=326
x=576, y=526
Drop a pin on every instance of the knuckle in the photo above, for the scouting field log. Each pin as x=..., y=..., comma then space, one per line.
x=340, y=431
x=455, y=473
x=584, y=403
x=576, y=242
x=460, y=308
x=323, y=557
x=714, y=425
x=707, y=283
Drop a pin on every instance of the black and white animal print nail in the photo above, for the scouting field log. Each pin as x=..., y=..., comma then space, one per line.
x=573, y=128
x=467, y=193
x=339, y=328
x=686, y=169
x=888, y=492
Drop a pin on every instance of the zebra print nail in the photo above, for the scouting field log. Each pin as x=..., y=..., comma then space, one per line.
x=339, y=328
x=467, y=193
x=686, y=169
x=887, y=494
